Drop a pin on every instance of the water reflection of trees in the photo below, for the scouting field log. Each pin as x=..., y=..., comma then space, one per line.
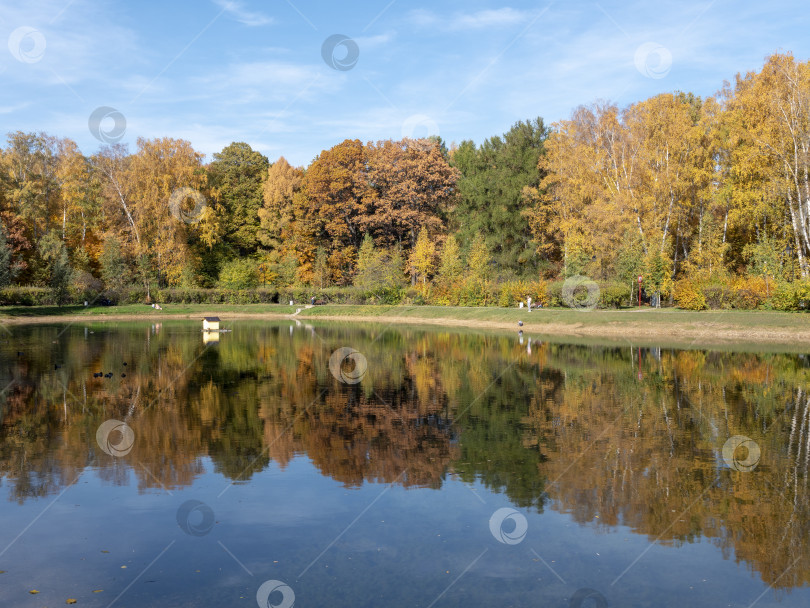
x=613, y=436
x=645, y=453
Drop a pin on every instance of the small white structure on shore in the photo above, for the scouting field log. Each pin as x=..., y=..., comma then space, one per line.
x=210, y=323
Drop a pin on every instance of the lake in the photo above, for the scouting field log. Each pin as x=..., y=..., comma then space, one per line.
x=281, y=463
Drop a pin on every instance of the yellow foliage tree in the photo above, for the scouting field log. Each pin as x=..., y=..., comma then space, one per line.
x=422, y=259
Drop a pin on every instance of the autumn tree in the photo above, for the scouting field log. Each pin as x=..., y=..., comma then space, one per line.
x=336, y=193
x=411, y=185
x=478, y=259
x=647, y=168
x=320, y=269
x=421, y=261
x=138, y=191
x=378, y=269
x=114, y=268
x=768, y=116
x=328, y=210
x=72, y=177
x=31, y=194
x=370, y=271
x=450, y=266
x=56, y=269
x=159, y=169
x=276, y=213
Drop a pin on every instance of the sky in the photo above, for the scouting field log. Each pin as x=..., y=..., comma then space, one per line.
x=294, y=77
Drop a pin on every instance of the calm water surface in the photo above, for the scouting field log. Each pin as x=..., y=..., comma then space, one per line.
x=455, y=469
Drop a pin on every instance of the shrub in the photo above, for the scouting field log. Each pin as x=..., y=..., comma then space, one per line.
x=442, y=294
x=791, y=296
x=190, y=295
x=745, y=299
x=554, y=294
x=85, y=287
x=750, y=292
x=239, y=274
x=717, y=296
x=414, y=296
x=26, y=296
x=386, y=295
x=123, y=295
x=688, y=296
x=298, y=294
x=512, y=293
x=540, y=290
x=612, y=295
x=475, y=292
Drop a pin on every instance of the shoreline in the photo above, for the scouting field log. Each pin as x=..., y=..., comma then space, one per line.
x=662, y=324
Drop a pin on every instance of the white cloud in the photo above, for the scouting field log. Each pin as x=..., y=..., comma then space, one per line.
x=238, y=12
x=262, y=81
x=369, y=42
x=84, y=42
x=490, y=18
x=14, y=108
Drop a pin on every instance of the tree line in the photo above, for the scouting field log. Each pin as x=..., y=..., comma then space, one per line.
x=689, y=193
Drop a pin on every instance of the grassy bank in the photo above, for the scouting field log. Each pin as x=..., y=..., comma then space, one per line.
x=671, y=325
x=140, y=310
x=661, y=316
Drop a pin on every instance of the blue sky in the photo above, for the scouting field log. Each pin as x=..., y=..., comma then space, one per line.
x=217, y=71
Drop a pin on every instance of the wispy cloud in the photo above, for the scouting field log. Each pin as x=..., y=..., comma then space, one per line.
x=370, y=42
x=257, y=80
x=236, y=83
x=490, y=18
x=238, y=12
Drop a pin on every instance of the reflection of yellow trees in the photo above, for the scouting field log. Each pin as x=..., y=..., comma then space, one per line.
x=354, y=439
x=49, y=419
x=573, y=425
x=647, y=453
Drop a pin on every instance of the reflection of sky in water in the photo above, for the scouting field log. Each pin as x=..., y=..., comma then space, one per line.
x=404, y=550
x=326, y=526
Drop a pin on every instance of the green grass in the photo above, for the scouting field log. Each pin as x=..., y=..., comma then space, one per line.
x=741, y=318
x=664, y=316
x=143, y=310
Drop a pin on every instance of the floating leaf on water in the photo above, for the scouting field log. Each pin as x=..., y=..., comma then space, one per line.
x=33, y=592
x=97, y=590
x=103, y=551
x=70, y=601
